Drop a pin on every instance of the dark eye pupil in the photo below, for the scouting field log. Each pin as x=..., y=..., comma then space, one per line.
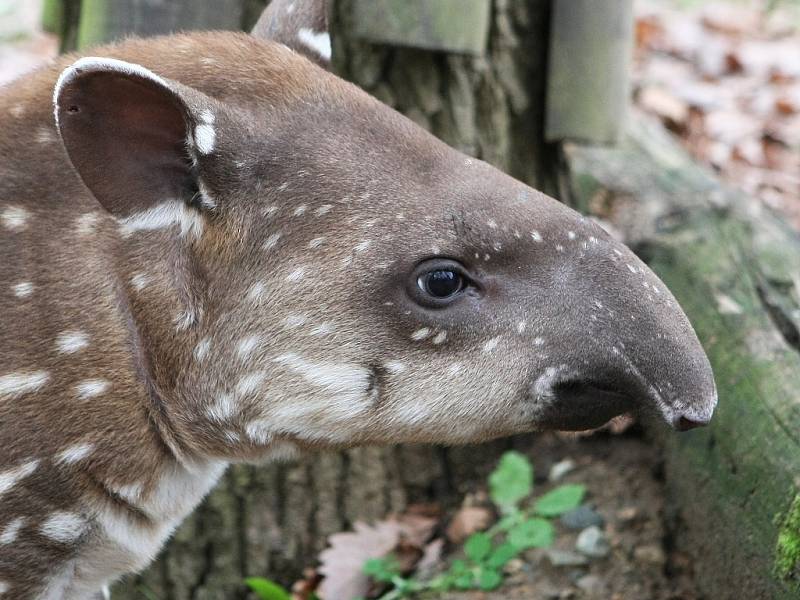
x=441, y=284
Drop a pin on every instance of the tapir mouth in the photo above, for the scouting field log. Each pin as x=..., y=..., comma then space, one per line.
x=588, y=404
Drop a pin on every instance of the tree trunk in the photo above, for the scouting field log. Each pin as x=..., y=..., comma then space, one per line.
x=735, y=486
x=273, y=520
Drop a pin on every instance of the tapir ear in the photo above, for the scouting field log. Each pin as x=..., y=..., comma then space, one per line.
x=132, y=136
x=300, y=24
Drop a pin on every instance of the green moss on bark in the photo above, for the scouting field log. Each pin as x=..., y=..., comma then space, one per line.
x=787, y=548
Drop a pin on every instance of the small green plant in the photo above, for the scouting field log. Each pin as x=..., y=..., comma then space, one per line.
x=266, y=589
x=524, y=523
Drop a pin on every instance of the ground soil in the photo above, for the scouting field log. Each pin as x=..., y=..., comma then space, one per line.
x=623, y=475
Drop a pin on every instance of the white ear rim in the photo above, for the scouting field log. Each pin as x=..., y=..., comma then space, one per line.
x=319, y=42
x=96, y=63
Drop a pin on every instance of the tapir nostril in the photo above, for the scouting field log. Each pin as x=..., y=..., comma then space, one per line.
x=684, y=424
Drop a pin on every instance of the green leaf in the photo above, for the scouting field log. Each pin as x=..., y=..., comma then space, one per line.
x=459, y=567
x=382, y=569
x=560, y=500
x=511, y=481
x=266, y=589
x=489, y=579
x=511, y=520
x=533, y=533
x=478, y=546
x=501, y=555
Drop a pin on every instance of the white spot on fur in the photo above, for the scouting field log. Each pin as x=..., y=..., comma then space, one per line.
x=571, y=235
x=300, y=210
x=15, y=218
x=11, y=531
x=201, y=349
x=521, y=326
x=439, y=338
x=17, y=111
x=223, y=408
x=208, y=117
x=394, y=366
x=420, y=334
x=316, y=242
x=492, y=223
x=185, y=319
x=543, y=386
x=271, y=241
x=85, y=223
x=9, y=479
x=617, y=252
x=559, y=248
x=454, y=369
x=139, y=281
x=319, y=42
x=538, y=341
x=322, y=329
x=4, y=587
x=362, y=246
x=64, y=527
x=490, y=345
x=69, y=342
x=259, y=431
x=162, y=216
x=256, y=292
x=23, y=289
x=90, y=388
x=246, y=346
x=296, y=275
x=325, y=208
x=294, y=321
x=345, y=386
x=250, y=383
x=16, y=384
x=631, y=268
x=132, y=492
x=204, y=138
x=75, y=453
x=536, y=236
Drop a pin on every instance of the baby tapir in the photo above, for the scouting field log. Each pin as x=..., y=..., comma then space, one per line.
x=219, y=252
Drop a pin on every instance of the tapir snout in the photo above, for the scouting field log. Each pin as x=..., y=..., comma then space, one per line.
x=624, y=343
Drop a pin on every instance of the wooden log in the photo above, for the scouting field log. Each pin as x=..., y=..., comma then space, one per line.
x=735, y=268
x=588, y=73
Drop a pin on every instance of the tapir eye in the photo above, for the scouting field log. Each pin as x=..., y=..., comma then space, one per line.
x=441, y=284
x=438, y=282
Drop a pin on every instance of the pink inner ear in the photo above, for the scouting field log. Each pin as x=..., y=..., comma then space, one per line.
x=126, y=138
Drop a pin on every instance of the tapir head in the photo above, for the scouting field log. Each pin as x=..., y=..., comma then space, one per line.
x=331, y=274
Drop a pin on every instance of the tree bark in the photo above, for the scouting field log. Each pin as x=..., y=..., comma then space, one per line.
x=273, y=520
x=733, y=266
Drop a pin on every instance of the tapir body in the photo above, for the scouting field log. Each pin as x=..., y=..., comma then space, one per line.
x=218, y=252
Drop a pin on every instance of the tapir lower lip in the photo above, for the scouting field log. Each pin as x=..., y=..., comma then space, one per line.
x=591, y=404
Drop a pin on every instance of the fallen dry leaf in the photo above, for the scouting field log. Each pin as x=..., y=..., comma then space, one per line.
x=342, y=563
x=467, y=521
